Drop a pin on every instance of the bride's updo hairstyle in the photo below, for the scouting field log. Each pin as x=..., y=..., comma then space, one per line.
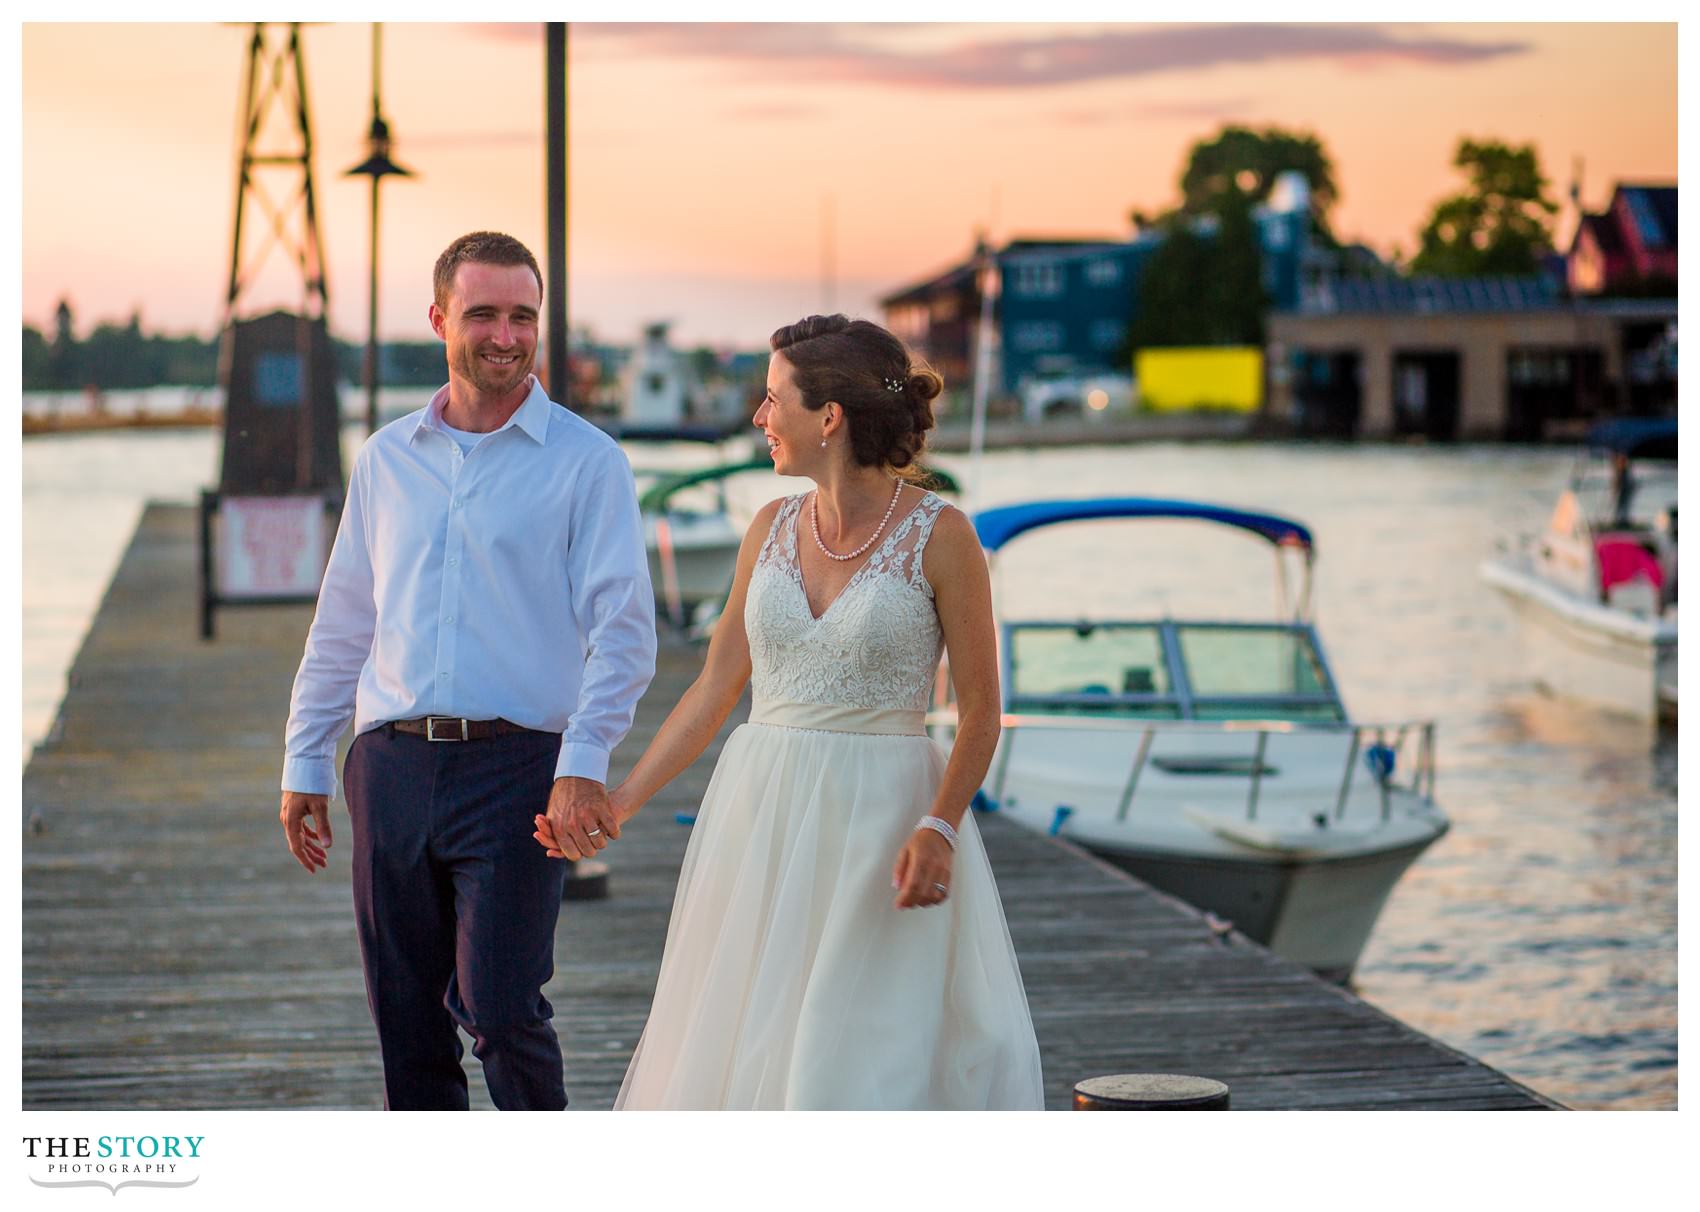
x=887, y=396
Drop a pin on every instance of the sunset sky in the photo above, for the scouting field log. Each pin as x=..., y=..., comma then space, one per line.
x=705, y=160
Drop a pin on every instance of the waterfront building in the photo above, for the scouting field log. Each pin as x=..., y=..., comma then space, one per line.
x=1062, y=307
x=1628, y=249
x=661, y=385
x=1522, y=358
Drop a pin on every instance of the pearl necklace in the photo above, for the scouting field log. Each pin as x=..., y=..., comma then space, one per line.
x=814, y=524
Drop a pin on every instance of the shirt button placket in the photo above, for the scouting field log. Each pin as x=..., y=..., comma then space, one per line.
x=454, y=546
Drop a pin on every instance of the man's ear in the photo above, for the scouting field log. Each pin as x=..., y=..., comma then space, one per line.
x=437, y=319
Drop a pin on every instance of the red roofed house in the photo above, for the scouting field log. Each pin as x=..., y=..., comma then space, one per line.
x=1629, y=247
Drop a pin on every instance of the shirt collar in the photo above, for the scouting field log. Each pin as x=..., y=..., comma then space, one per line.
x=532, y=416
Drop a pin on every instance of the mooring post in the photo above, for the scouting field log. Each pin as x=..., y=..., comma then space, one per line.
x=1150, y=1092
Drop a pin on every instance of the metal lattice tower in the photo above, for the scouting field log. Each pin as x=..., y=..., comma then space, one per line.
x=277, y=148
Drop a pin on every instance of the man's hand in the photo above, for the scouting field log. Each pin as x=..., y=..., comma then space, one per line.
x=579, y=820
x=308, y=840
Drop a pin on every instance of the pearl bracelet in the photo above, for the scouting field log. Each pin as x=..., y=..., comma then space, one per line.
x=942, y=826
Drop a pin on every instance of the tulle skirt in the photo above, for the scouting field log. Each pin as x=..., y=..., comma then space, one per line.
x=789, y=980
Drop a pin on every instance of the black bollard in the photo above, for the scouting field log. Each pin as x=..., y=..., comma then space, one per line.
x=1150, y=1092
x=587, y=880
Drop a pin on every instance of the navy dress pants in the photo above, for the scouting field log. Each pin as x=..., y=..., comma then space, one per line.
x=455, y=905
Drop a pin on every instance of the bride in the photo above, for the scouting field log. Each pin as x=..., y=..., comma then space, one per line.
x=837, y=940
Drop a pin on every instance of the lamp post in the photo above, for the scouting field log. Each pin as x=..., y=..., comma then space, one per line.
x=377, y=165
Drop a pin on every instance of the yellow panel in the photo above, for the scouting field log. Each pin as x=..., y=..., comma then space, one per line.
x=1228, y=377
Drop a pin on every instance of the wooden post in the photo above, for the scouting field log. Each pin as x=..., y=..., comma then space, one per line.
x=1150, y=1092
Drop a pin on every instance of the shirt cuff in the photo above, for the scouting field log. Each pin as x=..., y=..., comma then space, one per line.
x=310, y=776
x=580, y=761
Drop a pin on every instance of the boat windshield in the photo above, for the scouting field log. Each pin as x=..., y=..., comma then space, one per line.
x=1633, y=499
x=1237, y=673
x=1169, y=670
x=1113, y=668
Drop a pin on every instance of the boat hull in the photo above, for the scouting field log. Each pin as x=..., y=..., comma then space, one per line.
x=1305, y=868
x=699, y=556
x=1587, y=651
x=1318, y=913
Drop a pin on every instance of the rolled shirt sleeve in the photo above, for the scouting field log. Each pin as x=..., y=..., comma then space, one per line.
x=614, y=606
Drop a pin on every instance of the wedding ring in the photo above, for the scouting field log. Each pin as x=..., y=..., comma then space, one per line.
x=942, y=889
x=592, y=832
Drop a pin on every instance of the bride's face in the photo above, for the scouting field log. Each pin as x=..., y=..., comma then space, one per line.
x=793, y=431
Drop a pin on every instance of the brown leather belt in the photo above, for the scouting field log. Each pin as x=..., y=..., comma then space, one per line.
x=453, y=728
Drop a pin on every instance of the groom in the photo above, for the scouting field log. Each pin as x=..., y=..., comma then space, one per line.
x=486, y=619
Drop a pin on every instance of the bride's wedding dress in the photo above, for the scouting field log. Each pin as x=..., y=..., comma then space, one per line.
x=789, y=980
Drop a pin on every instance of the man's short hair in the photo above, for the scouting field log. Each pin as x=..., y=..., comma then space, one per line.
x=482, y=248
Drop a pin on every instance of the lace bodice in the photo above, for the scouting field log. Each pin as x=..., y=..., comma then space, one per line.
x=877, y=645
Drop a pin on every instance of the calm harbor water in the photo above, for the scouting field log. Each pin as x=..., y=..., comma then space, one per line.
x=1539, y=935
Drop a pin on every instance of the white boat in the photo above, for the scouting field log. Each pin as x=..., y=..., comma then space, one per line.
x=691, y=537
x=1212, y=759
x=693, y=545
x=1595, y=593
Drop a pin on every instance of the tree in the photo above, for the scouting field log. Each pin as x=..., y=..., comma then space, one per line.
x=1500, y=224
x=36, y=360
x=1204, y=283
x=1243, y=164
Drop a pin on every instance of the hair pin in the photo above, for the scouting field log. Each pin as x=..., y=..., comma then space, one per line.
x=894, y=384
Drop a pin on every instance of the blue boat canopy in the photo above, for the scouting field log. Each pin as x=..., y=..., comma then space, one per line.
x=998, y=526
x=1637, y=437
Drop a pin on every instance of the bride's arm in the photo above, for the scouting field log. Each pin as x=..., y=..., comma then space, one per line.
x=702, y=709
x=955, y=567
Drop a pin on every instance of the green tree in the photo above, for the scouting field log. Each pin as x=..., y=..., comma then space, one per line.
x=1203, y=284
x=1240, y=163
x=1500, y=224
x=37, y=361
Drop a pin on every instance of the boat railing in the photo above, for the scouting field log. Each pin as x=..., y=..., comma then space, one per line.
x=1384, y=747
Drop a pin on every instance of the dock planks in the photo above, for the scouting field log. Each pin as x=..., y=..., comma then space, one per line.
x=175, y=956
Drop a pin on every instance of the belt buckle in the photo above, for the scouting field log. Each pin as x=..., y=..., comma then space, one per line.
x=431, y=722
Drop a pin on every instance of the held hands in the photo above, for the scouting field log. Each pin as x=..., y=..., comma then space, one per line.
x=922, y=873
x=579, y=821
x=308, y=840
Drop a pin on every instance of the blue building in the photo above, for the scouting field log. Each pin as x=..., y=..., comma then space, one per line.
x=1062, y=308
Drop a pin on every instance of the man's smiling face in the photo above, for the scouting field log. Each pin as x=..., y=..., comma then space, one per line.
x=489, y=327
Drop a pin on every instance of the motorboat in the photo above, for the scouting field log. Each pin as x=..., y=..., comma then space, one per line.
x=1212, y=759
x=1595, y=592
x=693, y=541
x=693, y=546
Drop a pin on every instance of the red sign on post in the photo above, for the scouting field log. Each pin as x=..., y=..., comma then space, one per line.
x=271, y=547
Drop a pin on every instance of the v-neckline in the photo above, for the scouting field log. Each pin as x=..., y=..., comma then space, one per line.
x=802, y=581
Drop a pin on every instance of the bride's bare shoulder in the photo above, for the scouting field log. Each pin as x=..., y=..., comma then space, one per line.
x=953, y=543
x=763, y=521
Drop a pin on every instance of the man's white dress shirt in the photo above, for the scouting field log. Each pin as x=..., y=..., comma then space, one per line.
x=508, y=582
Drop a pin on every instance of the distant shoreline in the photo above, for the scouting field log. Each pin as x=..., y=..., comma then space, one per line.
x=187, y=418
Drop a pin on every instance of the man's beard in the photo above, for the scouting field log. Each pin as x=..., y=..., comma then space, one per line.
x=494, y=380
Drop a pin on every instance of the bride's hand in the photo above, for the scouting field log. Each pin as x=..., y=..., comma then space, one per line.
x=623, y=804
x=922, y=873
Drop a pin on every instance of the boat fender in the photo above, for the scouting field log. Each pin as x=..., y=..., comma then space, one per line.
x=1062, y=814
x=983, y=802
x=1381, y=759
x=684, y=818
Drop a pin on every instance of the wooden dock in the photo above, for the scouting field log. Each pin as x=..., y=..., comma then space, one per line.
x=176, y=956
